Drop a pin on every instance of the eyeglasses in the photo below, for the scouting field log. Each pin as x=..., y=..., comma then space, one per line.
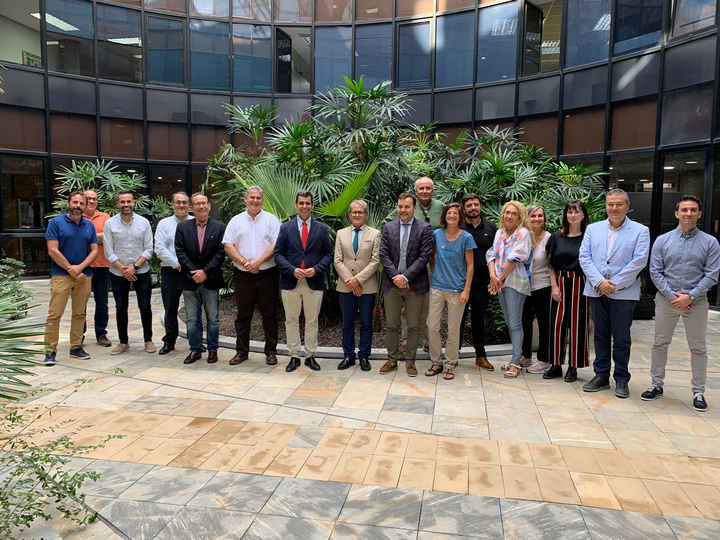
x=200, y=204
x=357, y=213
x=92, y=198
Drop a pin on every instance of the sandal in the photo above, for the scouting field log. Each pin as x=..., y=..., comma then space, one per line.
x=525, y=362
x=448, y=375
x=433, y=371
x=513, y=370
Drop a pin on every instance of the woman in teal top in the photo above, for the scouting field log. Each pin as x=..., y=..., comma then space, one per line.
x=452, y=263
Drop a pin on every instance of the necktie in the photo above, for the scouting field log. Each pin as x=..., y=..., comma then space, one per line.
x=356, y=241
x=303, y=238
x=402, y=265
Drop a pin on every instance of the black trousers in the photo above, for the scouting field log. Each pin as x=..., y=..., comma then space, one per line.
x=261, y=290
x=477, y=305
x=537, y=306
x=171, y=293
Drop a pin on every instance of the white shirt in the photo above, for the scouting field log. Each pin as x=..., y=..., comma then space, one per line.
x=612, y=236
x=165, y=241
x=252, y=237
x=540, y=272
x=128, y=242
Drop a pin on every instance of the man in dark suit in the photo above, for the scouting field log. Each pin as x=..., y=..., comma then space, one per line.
x=405, y=249
x=303, y=253
x=199, y=249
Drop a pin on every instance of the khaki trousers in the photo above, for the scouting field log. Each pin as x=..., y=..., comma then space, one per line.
x=302, y=298
x=61, y=288
x=438, y=301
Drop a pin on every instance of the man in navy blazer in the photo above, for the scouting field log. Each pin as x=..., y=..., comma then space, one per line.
x=303, y=253
x=612, y=255
x=405, y=248
x=199, y=249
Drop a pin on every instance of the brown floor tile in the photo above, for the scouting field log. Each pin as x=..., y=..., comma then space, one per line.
x=485, y=480
x=166, y=452
x=392, y=444
x=557, y=486
x=580, y=460
x=352, y=468
x=226, y=457
x=647, y=466
x=417, y=473
x=594, y=490
x=705, y=498
x=335, y=439
x=138, y=448
x=452, y=449
x=277, y=436
x=363, y=441
x=96, y=417
x=384, y=471
x=170, y=427
x=87, y=438
x=251, y=433
x=451, y=477
x=520, y=483
x=256, y=460
x=421, y=446
x=145, y=424
x=682, y=469
x=288, y=462
x=632, y=495
x=485, y=452
x=224, y=431
x=709, y=467
x=613, y=463
x=320, y=465
x=547, y=456
x=197, y=428
x=671, y=499
x=194, y=456
x=515, y=454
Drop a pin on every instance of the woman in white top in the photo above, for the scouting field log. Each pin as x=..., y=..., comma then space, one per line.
x=537, y=305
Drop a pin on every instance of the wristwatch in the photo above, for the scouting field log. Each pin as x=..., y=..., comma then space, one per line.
x=136, y=267
x=692, y=298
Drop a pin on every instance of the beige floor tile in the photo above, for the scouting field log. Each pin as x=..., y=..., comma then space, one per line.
x=580, y=460
x=647, y=466
x=452, y=449
x=417, y=474
x=710, y=468
x=422, y=446
x=166, y=452
x=594, y=490
x=170, y=426
x=384, y=471
x=320, y=465
x=671, y=499
x=277, y=436
x=111, y=447
x=363, y=441
x=145, y=424
x=451, y=477
x=206, y=408
x=138, y=448
x=547, y=456
x=226, y=457
x=557, y=486
x=335, y=439
x=642, y=441
x=613, y=462
x=520, y=483
x=288, y=462
x=197, y=428
x=256, y=460
x=705, y=498
x=670, y=423
x=485, y=480
x=515, y=454
x=682, y=469
x=195, y=455
x=223, y=431
x=392, y=444
x=483, y=452
x=632, y=495
x=251, y=433
x=584, y=435
x=119, y=423
x=352, y=468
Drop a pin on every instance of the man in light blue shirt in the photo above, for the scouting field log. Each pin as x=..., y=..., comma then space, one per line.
x=684, y=265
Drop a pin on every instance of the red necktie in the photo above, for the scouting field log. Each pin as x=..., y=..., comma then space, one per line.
x=303, y=238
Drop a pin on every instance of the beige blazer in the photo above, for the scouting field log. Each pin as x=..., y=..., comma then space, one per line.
x=364, y=265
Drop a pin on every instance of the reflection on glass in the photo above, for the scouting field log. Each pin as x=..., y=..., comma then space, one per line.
x=209, y=58
x=635, y=77
x=252, y=63
x=541, y=131
x=449, y=5
x=258, y=10
x=23, y=194
x=683, y=174
x=20, y=31
x=333, y=10
x=714, y=209
x=165, y=39
x=294, y=63
x=28, y=128
x=167, y=141
x=30, y=250
x=372, y=10
x=207, y=140
x=373, y=53
x=633, y=124
x=121, y=138
x=414, y=8
x=692, y=15
x=492, y=102
x=634, y=174
x=584, y=131
x=73, y=134
x=165, y=181
x=497, y=42
x=177, y=6
x=543, y=23
x=414, y=55
x=333, y=56
x=293, y=10
x=210, y=8
x=453, y=107
x=638, y=25
x=588, y=32
x=454, y=50
x=686, y=115
x=119, y=44
x=70, y=31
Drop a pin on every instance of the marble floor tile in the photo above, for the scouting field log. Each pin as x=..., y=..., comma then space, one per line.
x=465, y=407
x=166, y=452
x=351, y=468
x=632, y=495
x=580, y=460
x=196, y=454
x=286, y=415
x=547, y=456
x=406, y=420
x=697, y=529
x=485, y=480
x=671, y=499
x=223, y=431
x=516, y=454
x=236, y=491
x=417, y=474
x=682, y=469
x=542, y=521
x=293, y=498
x=249, y=411
x=350, y=531
x=409, y=404
x=114, y=477
x=335, y=439
x=256, y=460
x=419, y=388
x=461, y=515
x=307, y=437
x=643, y=441
x=277, y=436
x=613, y=462
x=451, y=426
x=588, y=436
x=139, y=519
x=170, y=426
x=251, y=433
x=688, y=425
x=269, y=527
x=194, y=522
x=557, y=486
x=691, y=445
x=421, y=446
x=382, y=506
x=515, y=422
x=268, y=394
x=610, y=525
x=594, y=490
x=168, y=485
x=709, y=467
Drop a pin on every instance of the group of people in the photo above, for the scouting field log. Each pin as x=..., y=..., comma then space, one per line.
x=434, y=258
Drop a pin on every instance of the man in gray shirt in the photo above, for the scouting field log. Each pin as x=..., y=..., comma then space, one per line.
x=128, y=244
x=684, y=265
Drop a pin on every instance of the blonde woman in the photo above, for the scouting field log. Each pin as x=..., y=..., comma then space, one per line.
x=509, y=274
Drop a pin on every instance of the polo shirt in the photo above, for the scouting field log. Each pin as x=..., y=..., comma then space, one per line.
x=74, y=241
x=98, y=220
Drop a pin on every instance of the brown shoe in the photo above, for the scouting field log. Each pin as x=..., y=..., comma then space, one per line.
x=388, y=367
x=212, y=357
x=120, y=348
x=192, y=357
x=482, y=362
x=411, y=369
x=239, y=358
x=271, y=359
x=150, y=347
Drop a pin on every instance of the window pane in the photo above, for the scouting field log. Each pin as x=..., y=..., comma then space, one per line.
x=167, y=106
x=69, y=25
x=121, y=101
x=543, y=22
x=635, y=77
x=372, y=10
x=449, y=5
x=30, y=250
x=25, y=88
x=588, y=32
x=541, y=131
x=495, y=102
x=73, y=134
x=121, y=138
x=165, y=181
x=258, y=10
x=373, y=53
x=693, y=15
x=209, y=55
x=294, y=63
x=584, y=131
x=290, y=109
x=20, y=33
x=453, y=107
x=690, y=63
x=686, y=115
x=207, y=109
x=634, y=174
x=539, y=96
x=28, y=128
x=584, y=88
x=207, y=140
x=333, y=56
x=293, y=10
x=497, y=43
x=210, y=8
x=167, y=141
x=119, y=44
x=454, y=50
x=633, y=124
x=413, y=8
x=683, y=174
x=71, y=95
x=23, y=194
x=421, y=114
x=177, y=6
x=252, y=63
x=165, y=39
x=414, y=55
x=333, y=10
x=638, y=25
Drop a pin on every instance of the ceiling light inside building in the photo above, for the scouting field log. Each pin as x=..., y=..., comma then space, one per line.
x=644, y=180
x=57, y=23
x=131, y=170
x=127, y=41
x=603, y=24
x=668, y=167
x=691, y=162
x=371, y=11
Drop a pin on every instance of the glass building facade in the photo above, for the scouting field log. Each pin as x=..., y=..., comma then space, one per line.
x=628, y=85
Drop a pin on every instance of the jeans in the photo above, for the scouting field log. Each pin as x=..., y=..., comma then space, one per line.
x=121, y=291
x=101, y=290
x=477, y=306
x=349, y=305
x=613, y=319
x=194, y=302
x=512, y=302
x=171, y=293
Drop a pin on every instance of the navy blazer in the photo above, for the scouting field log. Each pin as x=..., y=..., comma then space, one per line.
x=289, y=253
x=210, y=259
x=419, y=249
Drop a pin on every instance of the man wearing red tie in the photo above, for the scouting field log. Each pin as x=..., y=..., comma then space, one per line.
x=303, y=253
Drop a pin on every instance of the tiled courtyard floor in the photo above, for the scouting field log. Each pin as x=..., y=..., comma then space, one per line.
x=216, y=451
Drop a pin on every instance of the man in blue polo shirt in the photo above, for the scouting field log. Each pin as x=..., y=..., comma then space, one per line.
x=72, y=245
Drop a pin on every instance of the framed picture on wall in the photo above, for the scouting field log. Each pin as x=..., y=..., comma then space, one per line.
x=32, y=60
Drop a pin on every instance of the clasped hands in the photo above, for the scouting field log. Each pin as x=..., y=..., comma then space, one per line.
x=306, y=273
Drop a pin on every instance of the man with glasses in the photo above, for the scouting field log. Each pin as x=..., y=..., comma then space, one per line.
x=170, y=267
x=100, y=268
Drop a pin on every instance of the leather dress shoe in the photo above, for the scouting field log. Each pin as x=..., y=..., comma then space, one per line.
x=166, y=348
x=571, y=374
x=622, y=390
x=482, y=362
x=293, y=364
x=346, y=363
x=553, y=372
x=192, y=357
x=271, y=359
x=239, y=358
x=312, y=364
x=365, y=364
x=212, y=357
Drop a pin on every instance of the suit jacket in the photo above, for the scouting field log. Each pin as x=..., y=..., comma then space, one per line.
x=289, y=253
x=628, y=257
x=361, y=266
x=419, y=249
x=210, y=259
